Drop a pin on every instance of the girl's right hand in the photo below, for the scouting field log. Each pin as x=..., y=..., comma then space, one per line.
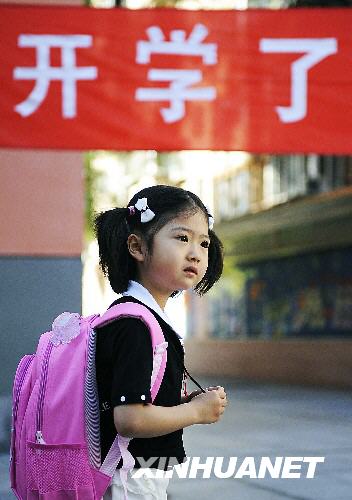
x=210, y=405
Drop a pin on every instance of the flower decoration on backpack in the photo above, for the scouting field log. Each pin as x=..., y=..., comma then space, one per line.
x=65, y=328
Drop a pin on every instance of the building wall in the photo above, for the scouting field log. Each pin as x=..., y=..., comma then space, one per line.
x=324, y=363
x=42, y=203
x=41, y=232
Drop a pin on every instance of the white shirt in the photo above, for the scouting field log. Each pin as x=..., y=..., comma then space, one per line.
x=140, y=293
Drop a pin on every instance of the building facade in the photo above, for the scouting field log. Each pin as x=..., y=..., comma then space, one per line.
x=283, y=311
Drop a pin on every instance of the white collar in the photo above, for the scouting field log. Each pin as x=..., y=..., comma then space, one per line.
x=140, y=293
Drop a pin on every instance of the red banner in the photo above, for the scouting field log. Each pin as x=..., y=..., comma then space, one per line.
x=256, y=80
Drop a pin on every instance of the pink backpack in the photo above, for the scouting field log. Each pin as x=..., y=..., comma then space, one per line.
x=55, y=442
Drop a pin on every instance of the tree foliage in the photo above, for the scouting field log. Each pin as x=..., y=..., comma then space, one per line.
x=164, y=3
x=90, y=184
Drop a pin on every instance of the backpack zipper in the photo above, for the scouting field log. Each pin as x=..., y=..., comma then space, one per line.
x=43, y=381
x=23, y=368
x=22, y=371
x=42, y=388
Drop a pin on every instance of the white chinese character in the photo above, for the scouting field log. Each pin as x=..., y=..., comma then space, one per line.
x=178, y=45
x=316, y=49
x=180, y=79
x=68, y=73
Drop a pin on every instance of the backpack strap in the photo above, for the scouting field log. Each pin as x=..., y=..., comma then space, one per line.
x=159, y=346
x=119, y=447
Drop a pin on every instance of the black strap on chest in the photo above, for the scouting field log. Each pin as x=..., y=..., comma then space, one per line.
x=185, y=369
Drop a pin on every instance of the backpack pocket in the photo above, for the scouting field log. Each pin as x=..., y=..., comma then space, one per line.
x=58, y=471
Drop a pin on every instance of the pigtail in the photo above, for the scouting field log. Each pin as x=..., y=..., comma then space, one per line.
x=215, y=265
x=114, y=259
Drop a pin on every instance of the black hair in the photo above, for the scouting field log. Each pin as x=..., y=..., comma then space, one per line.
x=114, y=226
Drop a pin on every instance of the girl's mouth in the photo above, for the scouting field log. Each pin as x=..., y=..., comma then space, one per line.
x=190, y=271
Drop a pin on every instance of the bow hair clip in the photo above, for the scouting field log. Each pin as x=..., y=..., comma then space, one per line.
x=142, y=205
x=210, y=218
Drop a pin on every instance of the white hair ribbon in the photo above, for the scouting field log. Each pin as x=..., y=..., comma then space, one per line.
x=210, y=218
x=146, y=214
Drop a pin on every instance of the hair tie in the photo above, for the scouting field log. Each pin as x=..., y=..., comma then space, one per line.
x=142, y=205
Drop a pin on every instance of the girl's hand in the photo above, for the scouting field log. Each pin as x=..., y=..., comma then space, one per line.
x=210, y=405
x=190, y=396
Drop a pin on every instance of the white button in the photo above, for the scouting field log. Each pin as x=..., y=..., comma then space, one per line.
x=143, y=397
x=122, y=398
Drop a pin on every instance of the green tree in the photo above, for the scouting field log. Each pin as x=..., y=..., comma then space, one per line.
x=91, y=177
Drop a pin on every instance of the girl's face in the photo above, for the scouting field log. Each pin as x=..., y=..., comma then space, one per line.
x=181, y=244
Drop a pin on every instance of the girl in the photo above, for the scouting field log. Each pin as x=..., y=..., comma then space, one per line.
x=161, y=244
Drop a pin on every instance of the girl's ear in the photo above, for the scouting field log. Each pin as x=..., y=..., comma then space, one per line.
x=136, y=247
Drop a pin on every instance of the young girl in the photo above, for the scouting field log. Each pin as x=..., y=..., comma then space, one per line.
x=161, y=244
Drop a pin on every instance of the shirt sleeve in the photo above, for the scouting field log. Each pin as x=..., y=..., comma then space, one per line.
x=132, y=362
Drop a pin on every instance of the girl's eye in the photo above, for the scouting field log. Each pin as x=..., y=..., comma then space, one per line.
x=183, y=236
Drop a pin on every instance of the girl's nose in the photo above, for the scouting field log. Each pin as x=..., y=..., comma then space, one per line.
x=197, y=259
x=194, y=254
